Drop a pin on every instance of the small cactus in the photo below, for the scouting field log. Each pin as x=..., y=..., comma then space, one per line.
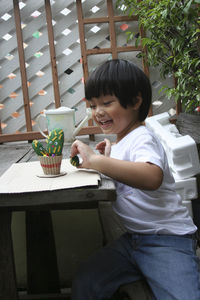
x=38, y=147
x=75, y=161
x=55, y=142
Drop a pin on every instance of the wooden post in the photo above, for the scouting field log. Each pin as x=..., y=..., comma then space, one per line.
x=22, y=65
x=112, y=29
x=83, y=48
x=52, y=53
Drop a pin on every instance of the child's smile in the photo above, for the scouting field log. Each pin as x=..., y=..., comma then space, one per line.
x=111, y=117
x=105, y=124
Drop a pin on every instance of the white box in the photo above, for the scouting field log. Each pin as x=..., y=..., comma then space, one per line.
x=181, y=150
x=188, y=204
x=187, y=188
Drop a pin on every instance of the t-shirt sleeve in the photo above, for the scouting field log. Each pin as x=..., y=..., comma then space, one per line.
x=147, y=149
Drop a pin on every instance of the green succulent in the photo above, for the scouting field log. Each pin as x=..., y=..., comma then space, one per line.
x=75, y=161
x=55, y=141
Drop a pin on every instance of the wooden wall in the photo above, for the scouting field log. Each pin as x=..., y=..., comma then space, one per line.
x=48, y=49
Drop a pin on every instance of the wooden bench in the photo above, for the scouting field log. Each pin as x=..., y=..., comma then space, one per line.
x=112, y=229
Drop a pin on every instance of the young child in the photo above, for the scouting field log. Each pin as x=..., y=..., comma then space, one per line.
x=159, y=244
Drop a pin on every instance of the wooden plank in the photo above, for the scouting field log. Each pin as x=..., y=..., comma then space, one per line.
x=23, y=136
x=106, y=19
x=52, y=53
x=82, y=38
x=8, y=287
x=22, y=65
x=80, y=198
x=109, y=50
x=83, y=46
x=32, y=135
x=112, y=29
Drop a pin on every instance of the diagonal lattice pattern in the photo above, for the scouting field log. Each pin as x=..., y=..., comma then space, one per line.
x=68, y=58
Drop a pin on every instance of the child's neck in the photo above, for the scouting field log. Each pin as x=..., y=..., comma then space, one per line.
x=128, y=130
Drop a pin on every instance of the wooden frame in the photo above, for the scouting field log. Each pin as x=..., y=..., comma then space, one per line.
x=114, y=50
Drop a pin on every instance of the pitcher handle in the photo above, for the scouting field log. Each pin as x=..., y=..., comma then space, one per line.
x=38, y=124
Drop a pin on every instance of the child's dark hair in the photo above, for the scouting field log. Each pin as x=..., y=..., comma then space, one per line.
x=122, y=79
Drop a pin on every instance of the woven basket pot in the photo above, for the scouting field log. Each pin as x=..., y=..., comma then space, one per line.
x=51, y=164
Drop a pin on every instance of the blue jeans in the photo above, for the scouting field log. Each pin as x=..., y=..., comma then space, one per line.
x=168, y=263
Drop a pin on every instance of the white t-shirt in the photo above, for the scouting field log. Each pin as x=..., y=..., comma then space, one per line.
x=143, y=211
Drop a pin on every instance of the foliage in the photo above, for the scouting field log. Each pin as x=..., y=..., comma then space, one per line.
x=172, y=43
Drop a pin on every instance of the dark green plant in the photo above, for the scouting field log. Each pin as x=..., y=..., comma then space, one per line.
x=173, y=43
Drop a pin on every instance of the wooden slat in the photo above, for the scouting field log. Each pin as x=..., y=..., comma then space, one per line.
x=112, y=29
x=109, y=50
x=31, y=135
x=52, y=53
x=107, y=19
x=82, y=38
x=22, y=65
x=83, y=46
x=24, y=136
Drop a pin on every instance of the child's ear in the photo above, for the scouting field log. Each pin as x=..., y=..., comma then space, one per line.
x=139, y=100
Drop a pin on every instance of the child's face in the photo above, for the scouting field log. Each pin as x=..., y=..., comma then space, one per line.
x=112, y=118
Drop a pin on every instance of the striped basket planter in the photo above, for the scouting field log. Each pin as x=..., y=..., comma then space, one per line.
x=51, y=164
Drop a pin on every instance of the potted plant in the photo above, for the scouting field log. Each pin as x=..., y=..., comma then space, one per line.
x=173, y=44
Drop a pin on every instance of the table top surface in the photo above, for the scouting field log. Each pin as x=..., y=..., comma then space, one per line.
x=70, y=198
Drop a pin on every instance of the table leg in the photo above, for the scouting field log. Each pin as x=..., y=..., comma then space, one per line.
x=8, y=286
x=42, y=270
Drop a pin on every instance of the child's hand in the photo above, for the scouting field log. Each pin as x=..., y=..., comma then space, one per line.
x=85, y=152
x=104, y=147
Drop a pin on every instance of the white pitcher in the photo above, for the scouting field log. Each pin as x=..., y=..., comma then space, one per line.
x=64, y=118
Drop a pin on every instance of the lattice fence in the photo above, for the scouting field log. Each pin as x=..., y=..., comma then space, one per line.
x=44, y=36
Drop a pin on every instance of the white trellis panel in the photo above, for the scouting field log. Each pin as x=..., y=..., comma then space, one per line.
x=68, y=58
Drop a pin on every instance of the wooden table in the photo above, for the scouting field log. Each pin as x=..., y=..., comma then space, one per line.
x=41, y=261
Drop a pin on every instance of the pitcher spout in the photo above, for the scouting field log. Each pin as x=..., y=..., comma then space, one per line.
x=82, y=123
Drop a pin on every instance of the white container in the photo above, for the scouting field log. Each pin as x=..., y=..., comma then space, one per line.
x=188, y=204
x=187, y=188
x=181, y=150
x=64, y=118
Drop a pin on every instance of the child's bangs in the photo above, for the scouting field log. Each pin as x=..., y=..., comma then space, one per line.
x=100, y=87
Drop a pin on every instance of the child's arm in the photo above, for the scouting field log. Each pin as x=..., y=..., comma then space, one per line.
x=136, y=174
